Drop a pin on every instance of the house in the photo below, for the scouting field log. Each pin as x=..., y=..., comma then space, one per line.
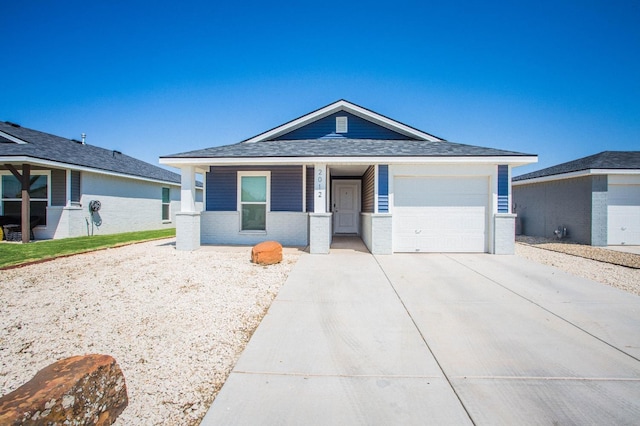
x=596, y=198
x=77, y=189
x=346, y=170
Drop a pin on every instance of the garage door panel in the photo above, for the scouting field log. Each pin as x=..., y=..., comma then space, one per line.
x=623, y=214
x=440, y=214
x=429, y=191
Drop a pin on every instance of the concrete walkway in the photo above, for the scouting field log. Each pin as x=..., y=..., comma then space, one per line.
x=437, y=339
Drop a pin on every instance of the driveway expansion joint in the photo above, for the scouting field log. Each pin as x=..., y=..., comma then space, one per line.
x=424, y=340
x=544, y=309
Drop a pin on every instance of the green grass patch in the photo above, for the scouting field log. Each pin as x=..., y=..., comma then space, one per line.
x=12, y=254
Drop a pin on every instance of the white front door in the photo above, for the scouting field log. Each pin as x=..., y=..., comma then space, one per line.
x=346, y=207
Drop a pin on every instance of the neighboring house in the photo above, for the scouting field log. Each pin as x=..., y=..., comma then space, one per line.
x=64, y=177
x=596, y=198
x=346, y=170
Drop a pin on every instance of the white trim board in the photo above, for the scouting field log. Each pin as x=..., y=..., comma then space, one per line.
x=12, y=138
x=347, y=106
x=208, y=161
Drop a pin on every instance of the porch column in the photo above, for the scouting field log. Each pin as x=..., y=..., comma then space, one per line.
x=188, y=190
x=25, y=211
x=188, y=220
x=320, y=220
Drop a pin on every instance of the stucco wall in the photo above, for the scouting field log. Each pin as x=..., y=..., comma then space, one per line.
x=543, y=207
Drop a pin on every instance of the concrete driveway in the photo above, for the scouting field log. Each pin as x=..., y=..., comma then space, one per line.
x=437, y=339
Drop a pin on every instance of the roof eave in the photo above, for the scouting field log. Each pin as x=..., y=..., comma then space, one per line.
x=50, y=163
x=515, y=160
x=575, y=174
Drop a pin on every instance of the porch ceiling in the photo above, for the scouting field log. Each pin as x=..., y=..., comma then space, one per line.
x=348, y=169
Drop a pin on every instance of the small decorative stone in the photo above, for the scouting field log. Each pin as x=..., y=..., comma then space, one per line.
x=81, y=390
x=267, y=253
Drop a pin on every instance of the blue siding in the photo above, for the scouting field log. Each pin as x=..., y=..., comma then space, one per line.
x=383, y=188
x=286, y=188
x=310, y=189
x=503, y=189
x=221, y=189
x=358, y=128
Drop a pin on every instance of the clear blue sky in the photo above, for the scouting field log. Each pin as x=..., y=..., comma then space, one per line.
x=560, y=79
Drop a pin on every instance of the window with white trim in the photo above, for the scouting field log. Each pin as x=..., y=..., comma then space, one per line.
x=166, y=204
x=11, y=196
x=253, y=200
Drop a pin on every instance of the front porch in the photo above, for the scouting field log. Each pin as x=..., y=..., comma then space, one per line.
x=296, y=205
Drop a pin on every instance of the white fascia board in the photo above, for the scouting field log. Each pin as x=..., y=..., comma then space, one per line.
x=12, y=138
x=58, y=165
x=204, y=162
x=580, y=173
x=389, y=123
x=343, y=105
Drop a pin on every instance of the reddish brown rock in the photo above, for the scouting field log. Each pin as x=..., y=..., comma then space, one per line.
x=81, y=390
x=267, y=253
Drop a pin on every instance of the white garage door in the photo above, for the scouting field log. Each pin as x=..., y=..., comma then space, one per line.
x=440, y=214
x=623, y=214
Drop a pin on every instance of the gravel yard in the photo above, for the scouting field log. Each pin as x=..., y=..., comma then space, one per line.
x=595, y=263
x=175, y=322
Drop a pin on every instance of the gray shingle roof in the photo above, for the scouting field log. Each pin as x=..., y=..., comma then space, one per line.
x=345, y=148
x=623, y=160
x=45, y=146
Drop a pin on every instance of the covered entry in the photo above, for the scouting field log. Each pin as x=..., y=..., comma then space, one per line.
x=345, y=206
x=440, y=214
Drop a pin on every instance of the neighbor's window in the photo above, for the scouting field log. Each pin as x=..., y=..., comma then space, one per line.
x=38, y=193
x=253, y=200
x=166, y=204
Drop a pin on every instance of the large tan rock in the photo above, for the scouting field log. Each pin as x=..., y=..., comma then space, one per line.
x=81, y=390
x=267, y=253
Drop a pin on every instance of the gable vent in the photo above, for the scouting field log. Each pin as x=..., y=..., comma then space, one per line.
x=341, y=125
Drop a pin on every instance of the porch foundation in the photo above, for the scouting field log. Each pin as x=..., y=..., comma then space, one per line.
x=187, y=231
x=504, y=233
x=319, y=233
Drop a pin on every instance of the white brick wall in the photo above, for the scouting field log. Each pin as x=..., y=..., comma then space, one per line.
x=188, y=231
x=287, y=228
x=377, y=232
x=319, y=233
x=127, y=205
x=504, y=233
x=366, y=233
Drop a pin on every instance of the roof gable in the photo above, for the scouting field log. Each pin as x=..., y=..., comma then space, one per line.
x=606, y=160
x=396, y=127
x=357, y=128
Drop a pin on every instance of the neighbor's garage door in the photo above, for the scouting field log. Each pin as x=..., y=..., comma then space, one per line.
x=623, y=214
x=438, y=214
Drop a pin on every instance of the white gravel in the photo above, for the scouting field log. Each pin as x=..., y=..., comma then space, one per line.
x=621, y=277
x=175, y=322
